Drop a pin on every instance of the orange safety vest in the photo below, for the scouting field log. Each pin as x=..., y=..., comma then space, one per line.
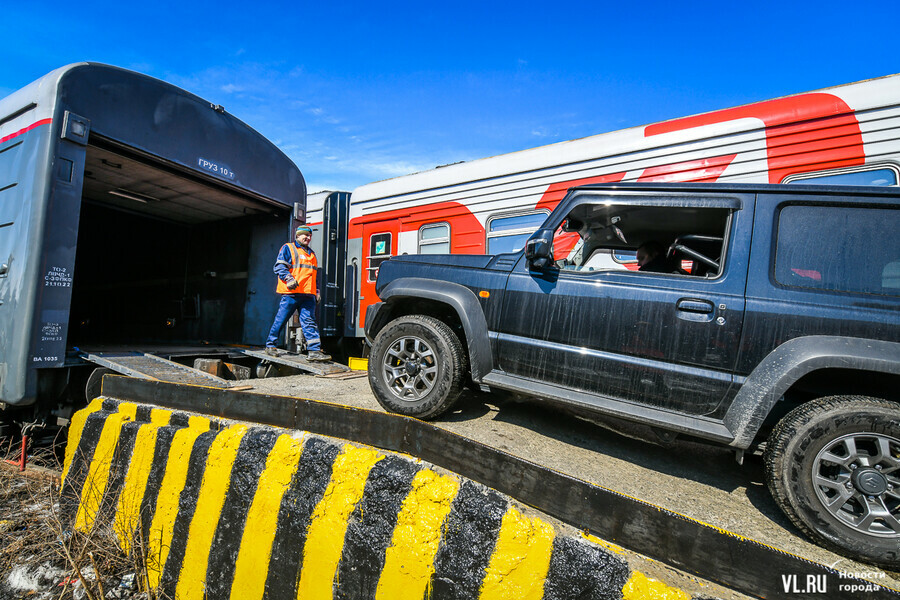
x=303, y=269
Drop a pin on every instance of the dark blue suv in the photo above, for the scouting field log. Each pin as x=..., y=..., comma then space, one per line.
x=766, y=318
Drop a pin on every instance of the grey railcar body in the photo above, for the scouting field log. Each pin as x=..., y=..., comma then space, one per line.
x=131, y=212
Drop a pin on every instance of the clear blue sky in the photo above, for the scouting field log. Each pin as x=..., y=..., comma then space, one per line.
x=363, y=91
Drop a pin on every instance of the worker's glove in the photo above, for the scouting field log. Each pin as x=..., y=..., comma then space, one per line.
x=291, y=283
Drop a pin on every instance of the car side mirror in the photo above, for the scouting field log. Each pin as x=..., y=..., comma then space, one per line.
x=570, y=225
x=538, y=250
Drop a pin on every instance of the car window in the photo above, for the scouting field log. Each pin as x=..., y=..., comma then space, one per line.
x=673, y=240
x=839, y=248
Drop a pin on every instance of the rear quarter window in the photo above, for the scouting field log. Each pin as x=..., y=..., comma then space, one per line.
x=839, y=248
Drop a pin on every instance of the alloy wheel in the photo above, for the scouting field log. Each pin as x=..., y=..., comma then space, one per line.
x=410, y=368
x=857, y=479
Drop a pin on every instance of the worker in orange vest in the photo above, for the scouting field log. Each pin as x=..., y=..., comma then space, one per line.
x=296, y=269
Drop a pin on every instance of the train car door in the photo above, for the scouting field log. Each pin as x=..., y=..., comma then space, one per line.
x=379, y=244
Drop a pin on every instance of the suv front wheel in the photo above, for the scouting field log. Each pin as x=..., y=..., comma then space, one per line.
x=833, y=466
x=417, y=367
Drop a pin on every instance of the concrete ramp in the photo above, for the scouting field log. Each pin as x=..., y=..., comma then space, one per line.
x=231, y=510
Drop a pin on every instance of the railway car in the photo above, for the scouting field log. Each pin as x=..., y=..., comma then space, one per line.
x=843, y=135
x=134, y=216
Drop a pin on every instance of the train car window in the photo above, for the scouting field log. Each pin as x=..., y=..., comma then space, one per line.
x=882, y=176
x=434, y=238
x=508, y=233
x=379, y=251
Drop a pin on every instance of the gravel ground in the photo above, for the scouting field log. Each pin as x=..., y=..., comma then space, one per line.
x=701, y=481
x=38, y=551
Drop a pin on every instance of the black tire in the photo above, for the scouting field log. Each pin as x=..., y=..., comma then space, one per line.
x=833, y=467
x=417, y=367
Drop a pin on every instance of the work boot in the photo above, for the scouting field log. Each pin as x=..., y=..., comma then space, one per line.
x=315, y=355
x=271, y=350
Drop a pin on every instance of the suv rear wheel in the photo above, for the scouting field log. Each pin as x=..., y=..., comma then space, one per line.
x=417, y=367
x=833, y=466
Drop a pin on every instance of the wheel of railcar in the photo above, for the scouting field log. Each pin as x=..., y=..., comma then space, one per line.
x=266, y=369
x=833, y=466
x=417, y=366
x=94, y=381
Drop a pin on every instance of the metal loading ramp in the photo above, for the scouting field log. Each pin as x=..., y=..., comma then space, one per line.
x=142, y=365
x=299, y=361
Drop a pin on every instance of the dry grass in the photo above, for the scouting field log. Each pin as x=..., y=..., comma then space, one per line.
x=39, y=548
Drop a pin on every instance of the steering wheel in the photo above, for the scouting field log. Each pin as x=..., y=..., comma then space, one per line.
x=678, y=246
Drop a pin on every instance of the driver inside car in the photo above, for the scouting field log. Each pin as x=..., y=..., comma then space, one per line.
x=651, y=258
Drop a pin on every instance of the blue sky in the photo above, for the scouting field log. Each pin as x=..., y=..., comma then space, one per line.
x=356, y=92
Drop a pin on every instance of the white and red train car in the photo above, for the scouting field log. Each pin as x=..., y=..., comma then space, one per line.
x=843, y=135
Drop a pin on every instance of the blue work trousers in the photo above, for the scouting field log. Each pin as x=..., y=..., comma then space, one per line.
x=305, y=304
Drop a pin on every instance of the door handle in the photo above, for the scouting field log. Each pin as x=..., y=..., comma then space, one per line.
x=695, y=305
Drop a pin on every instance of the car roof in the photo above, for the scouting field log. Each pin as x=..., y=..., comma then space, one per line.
x=744, y=188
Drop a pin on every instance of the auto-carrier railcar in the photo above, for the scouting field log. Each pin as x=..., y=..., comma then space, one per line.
x=133, y=214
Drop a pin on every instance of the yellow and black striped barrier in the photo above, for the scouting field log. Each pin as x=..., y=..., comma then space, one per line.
x=230, y=510
x=167, y=454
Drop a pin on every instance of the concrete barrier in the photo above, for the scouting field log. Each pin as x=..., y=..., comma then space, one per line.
x=231, y=510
